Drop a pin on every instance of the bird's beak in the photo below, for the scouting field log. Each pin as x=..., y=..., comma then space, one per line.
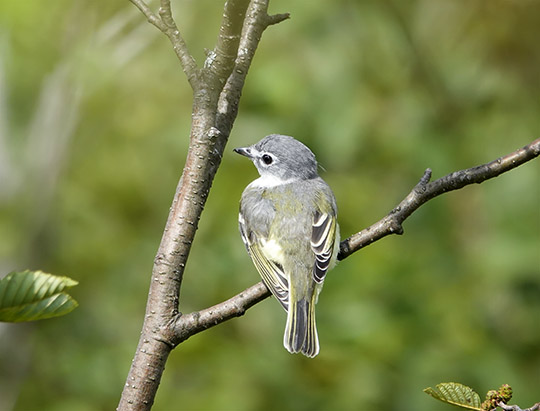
x=244, y=151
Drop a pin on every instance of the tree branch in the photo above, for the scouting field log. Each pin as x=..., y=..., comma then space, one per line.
x=150, y=16
x=506, y=407
x=190, y=324
x=166, y=24
x=255, y=22
x=179, y=45
x=424, y=191
x=209, y=134
x=221, y=59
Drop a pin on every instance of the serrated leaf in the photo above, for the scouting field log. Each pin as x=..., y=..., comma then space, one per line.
x=34, y=295
x=456, y=394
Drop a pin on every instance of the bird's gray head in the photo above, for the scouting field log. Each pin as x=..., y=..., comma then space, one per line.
x=281, y=157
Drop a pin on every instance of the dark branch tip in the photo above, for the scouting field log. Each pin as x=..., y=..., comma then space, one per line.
x=396, y=228
x=344, y=250
x=277, y=18
x=426, y=177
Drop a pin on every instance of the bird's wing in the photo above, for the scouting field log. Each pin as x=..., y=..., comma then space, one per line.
x=272, y=274
x=323, y=236
x=271, y=271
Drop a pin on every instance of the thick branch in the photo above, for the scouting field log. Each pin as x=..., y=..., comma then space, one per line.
x=241, y=29
x=221, y=60
x=256, y=21
x=207, y=142
x=424, y=191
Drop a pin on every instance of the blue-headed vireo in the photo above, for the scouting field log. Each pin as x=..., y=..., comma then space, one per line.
x=288, y=224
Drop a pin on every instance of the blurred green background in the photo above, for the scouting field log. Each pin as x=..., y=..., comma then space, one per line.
x=94, y=125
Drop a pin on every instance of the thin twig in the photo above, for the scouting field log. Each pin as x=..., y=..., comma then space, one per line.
x=150, y=16
x=166, y=24
x=424, y=191
x=190, y=324
x=277, y=18
x=179, y=45
x=506, y=407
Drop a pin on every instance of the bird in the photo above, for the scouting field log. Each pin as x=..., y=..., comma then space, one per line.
x=288, y=223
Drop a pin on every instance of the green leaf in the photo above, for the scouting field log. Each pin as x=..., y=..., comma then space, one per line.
x=34, y=295
x=456, y=394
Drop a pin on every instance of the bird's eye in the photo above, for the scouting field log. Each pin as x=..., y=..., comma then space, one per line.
x=267, y=159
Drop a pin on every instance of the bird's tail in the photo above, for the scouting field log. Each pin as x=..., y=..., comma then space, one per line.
x=301, y=331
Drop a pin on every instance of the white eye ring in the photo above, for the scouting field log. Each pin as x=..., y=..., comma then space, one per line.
x=267, y=159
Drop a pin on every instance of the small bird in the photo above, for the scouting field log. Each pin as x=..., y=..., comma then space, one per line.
x=288, y=224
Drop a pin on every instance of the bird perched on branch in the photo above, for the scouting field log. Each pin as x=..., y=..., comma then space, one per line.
x=288, y=224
